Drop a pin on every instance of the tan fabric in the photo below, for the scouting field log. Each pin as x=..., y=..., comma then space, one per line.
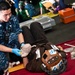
x=47, y=4
x=25, y=50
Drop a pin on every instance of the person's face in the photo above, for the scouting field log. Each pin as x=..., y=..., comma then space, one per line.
x=5, y=15
x=57, y=0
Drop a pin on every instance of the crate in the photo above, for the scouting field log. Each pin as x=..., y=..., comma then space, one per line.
x=67, y=15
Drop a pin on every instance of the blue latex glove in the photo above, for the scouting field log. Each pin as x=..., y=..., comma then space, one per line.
x=16, y=51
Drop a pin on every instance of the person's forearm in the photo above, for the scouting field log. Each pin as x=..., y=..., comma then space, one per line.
x=20, y=38
x=5, y=49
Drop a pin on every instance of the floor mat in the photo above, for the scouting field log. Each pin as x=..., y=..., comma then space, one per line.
x=70, y=64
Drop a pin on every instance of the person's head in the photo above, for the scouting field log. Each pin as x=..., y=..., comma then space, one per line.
x=57, y=0
x=21, y=5
x=26, y=2
x=5, y=11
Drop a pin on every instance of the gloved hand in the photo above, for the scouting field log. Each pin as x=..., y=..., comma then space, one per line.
x=25, y=49
x=16, y=51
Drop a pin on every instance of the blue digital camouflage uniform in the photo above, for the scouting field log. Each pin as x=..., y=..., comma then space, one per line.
x=9, y=37
x=31, y=10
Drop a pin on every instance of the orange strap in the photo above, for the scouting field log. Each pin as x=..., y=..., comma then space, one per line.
x=15, y=68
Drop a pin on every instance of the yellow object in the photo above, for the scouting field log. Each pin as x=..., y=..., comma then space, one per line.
x=15, y=68
x=49, y=14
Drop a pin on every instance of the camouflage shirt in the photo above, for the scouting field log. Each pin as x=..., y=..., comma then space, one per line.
x=9, y=37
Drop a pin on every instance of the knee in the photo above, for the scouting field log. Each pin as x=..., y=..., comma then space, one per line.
x=25, y=28
x=35, y=25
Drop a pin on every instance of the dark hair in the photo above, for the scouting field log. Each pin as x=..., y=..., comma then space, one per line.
x=4, y=5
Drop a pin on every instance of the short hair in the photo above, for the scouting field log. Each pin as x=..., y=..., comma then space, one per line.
x=4, y=5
